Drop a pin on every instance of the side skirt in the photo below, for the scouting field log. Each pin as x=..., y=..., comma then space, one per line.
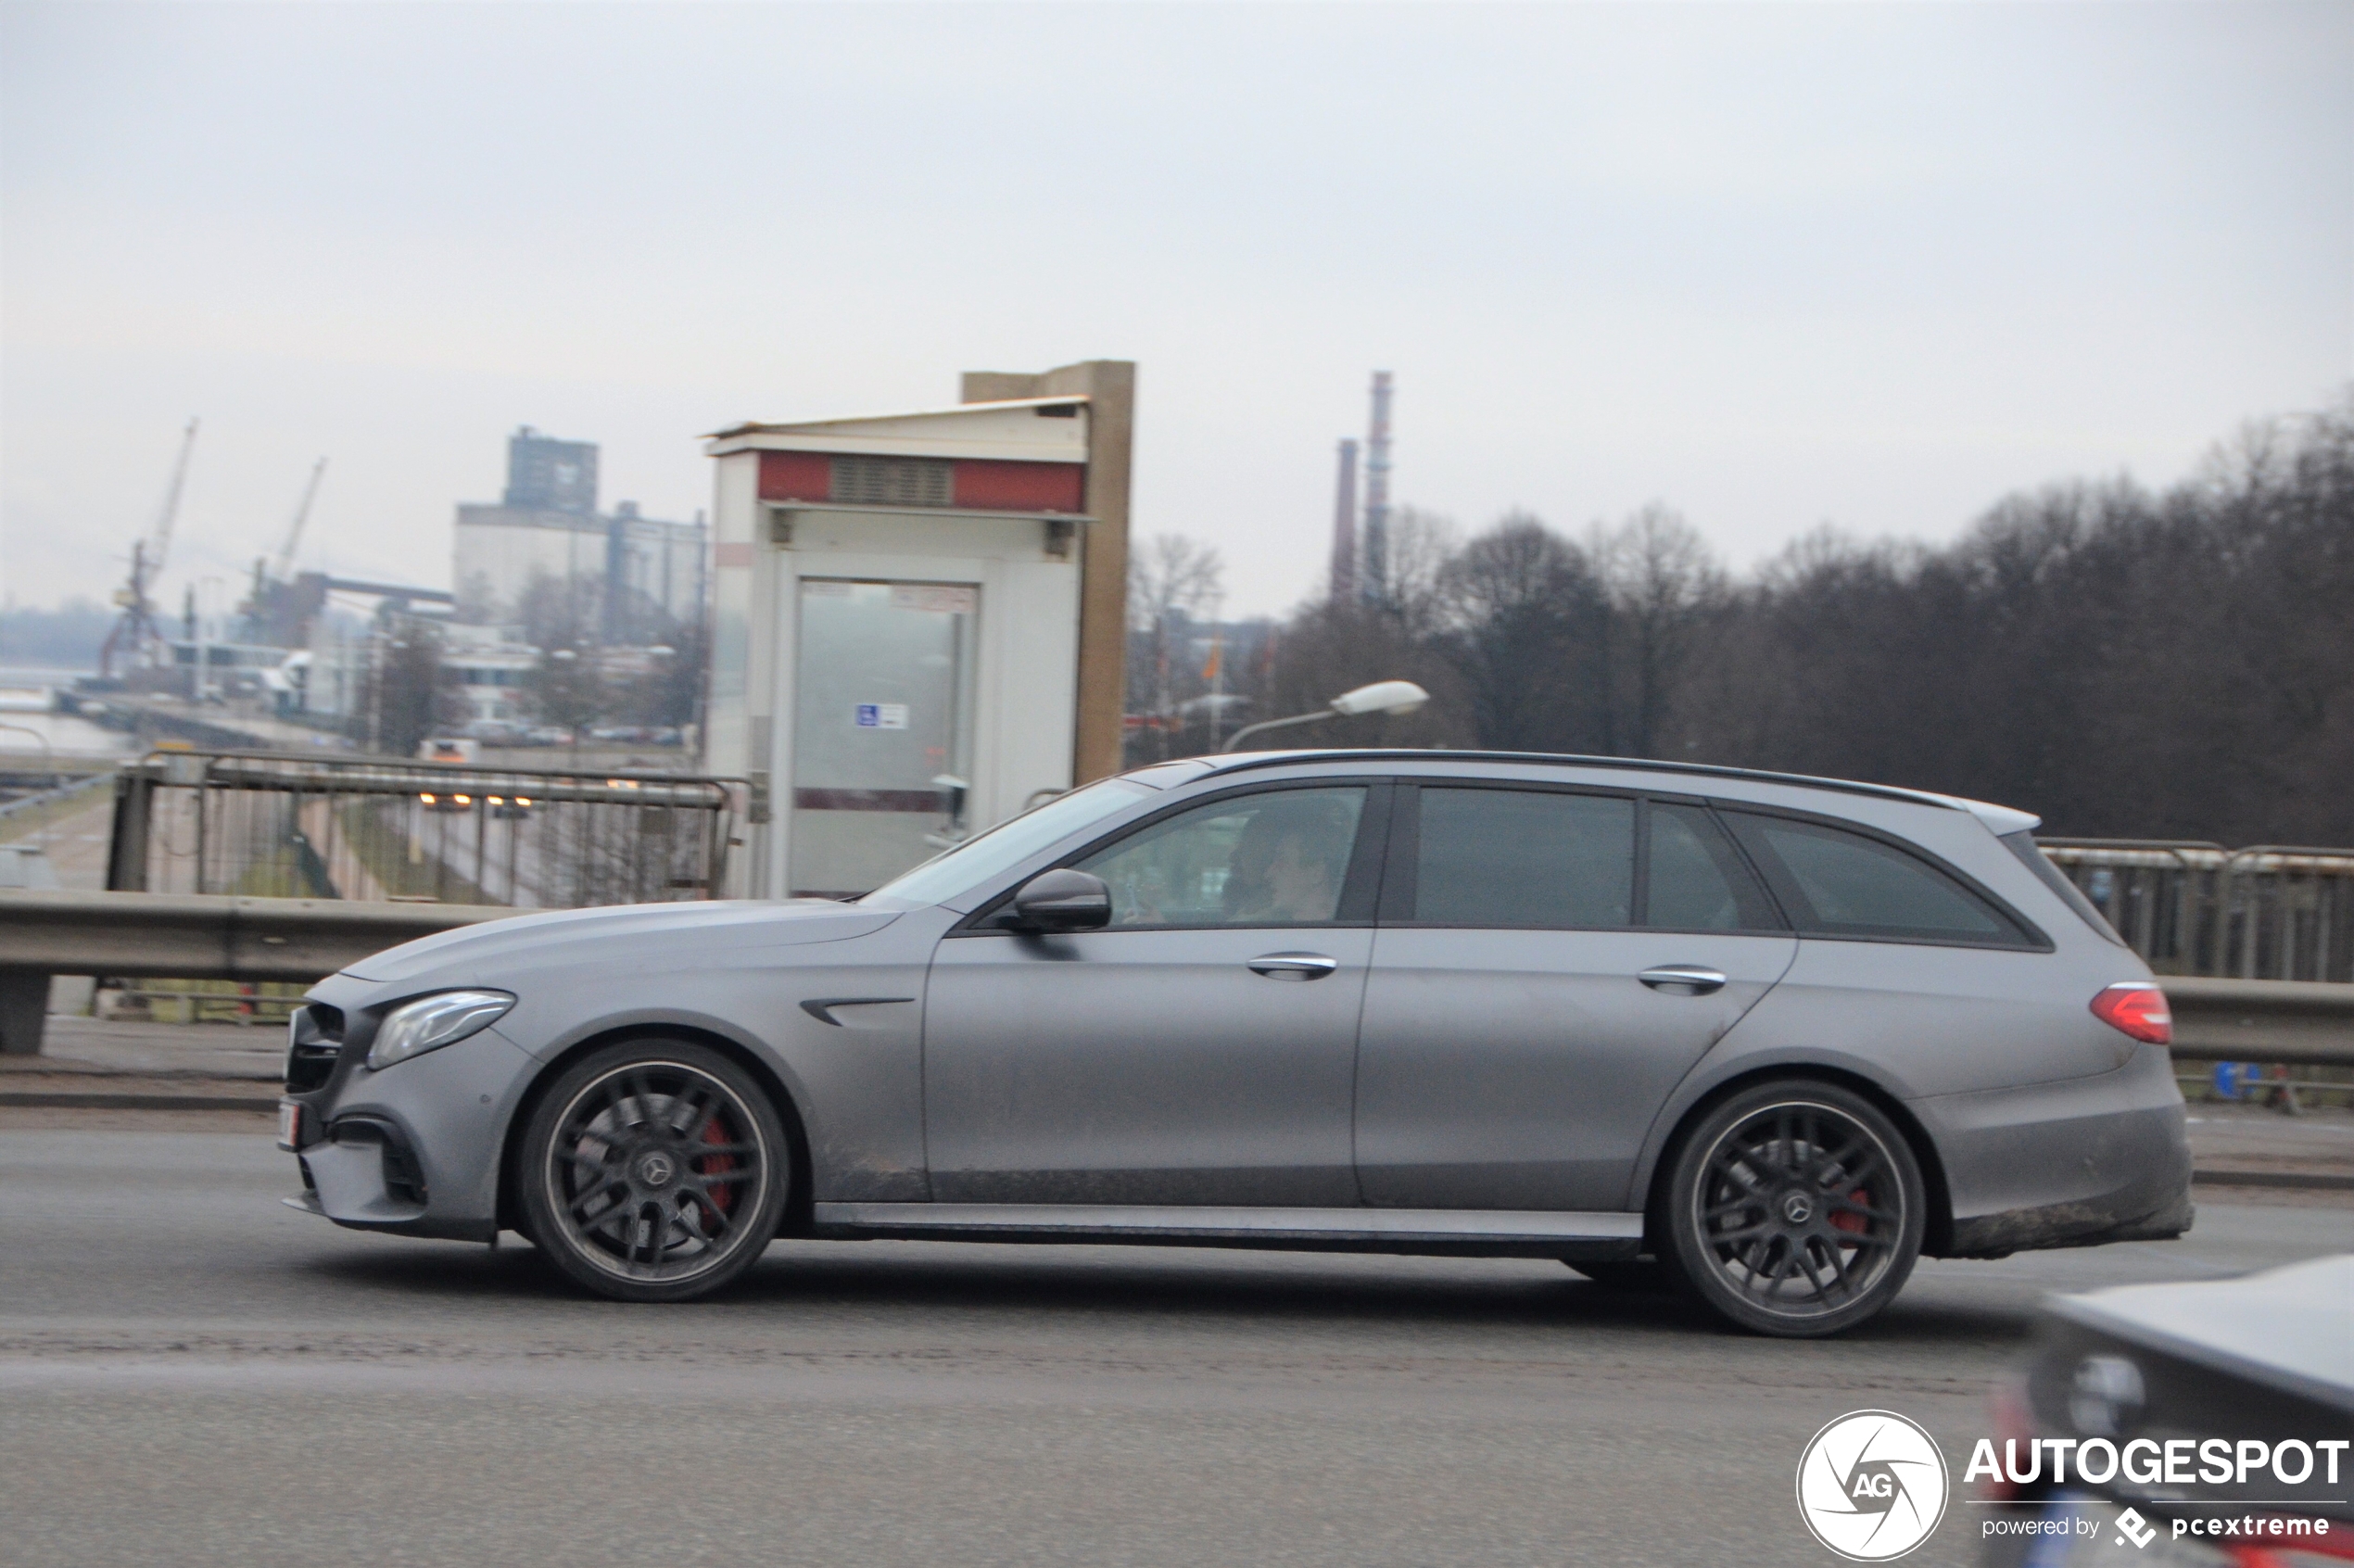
x=1448, y=1232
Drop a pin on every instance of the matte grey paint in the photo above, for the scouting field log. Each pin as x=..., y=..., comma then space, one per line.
x=1151, y=1067
x=1520, y=1069
x=1498, y=1071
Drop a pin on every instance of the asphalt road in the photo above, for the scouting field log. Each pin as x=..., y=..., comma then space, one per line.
x=191, y=1373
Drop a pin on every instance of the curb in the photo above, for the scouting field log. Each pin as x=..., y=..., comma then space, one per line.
x=2311, y=1180
x=67, y=1100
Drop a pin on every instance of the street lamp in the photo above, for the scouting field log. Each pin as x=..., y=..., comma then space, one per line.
x=48, y=753
x=1382, y=697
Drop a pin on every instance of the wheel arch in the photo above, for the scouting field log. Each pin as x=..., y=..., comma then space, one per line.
x=1937, y=1234
x=796, y=1217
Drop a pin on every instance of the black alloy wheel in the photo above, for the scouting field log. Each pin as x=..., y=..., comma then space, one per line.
x=655, y=1170
x=1795, y=1210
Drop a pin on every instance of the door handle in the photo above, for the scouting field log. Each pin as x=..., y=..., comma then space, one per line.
x=1293, y=965
x=1683, y=979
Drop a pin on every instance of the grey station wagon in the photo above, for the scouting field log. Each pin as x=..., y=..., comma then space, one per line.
x=1764, y=1039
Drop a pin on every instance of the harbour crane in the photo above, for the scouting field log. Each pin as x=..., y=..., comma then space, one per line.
x=282, y=566
x=136, y=627
x=271, y=576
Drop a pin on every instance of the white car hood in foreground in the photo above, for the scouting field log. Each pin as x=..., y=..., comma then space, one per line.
x=2293, y=1327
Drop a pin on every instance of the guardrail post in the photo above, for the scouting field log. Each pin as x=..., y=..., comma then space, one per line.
x=135, y=793
x=24, y=1011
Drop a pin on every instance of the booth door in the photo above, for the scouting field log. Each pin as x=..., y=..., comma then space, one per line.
x=882, y=729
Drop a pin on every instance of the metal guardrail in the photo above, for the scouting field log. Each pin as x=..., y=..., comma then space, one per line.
x=375, y=828
x=2302, y=1021
x=212, y=937
x=2269, y=912
x=56, y=794
x=49, y=931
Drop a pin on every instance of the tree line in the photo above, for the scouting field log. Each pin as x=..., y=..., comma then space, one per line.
x=2125, y=662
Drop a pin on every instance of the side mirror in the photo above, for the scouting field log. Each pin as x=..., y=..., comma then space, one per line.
x=1063, y=901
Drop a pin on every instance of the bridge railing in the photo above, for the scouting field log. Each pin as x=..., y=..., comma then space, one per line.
x=2269, y=912
x=376, y=830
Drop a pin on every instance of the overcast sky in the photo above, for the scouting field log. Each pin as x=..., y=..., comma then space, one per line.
x=1874, y=265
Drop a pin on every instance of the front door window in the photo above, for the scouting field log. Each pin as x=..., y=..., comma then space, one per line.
x=1276, y=858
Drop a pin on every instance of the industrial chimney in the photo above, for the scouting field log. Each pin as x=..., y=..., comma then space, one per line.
x=1376, y=570
x=1345, y=527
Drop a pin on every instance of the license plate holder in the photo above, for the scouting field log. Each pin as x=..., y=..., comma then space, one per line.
x=290, y=1125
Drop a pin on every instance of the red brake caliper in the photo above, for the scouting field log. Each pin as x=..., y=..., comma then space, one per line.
x=1853, y=1223
x=718, y=1165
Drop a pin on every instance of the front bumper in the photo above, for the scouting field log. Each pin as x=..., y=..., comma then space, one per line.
x=414, y=1149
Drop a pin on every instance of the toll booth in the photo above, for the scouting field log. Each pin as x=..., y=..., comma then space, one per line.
x=916, y=622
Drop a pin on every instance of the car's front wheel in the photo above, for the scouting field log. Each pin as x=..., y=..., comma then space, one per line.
x=653, y=1171
x=1795, y=1210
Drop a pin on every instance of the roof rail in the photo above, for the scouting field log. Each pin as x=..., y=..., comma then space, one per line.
x=1245, y=761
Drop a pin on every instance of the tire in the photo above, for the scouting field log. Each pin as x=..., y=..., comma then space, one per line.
x=619, y=1169
x=1795, y=1210
x=1645, y=1276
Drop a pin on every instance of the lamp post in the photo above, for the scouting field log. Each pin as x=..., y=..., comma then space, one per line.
x=1382, y=697
x=48, y=753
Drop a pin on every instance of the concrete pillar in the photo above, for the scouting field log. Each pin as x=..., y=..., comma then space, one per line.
x=1109, y=386
x=24, y=1009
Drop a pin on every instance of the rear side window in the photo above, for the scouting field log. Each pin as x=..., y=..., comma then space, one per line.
x=1525, y=859
x=1839, y=883
x=2022, y=844
x=1696, y=881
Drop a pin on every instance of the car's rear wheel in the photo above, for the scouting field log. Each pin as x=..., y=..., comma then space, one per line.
x=1795, y=1210
x=653, y=1171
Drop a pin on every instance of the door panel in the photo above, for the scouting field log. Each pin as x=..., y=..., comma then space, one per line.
x=1522, y=1068
x=1142, y=1067
x=1513, y=1054
x=1200, y=1050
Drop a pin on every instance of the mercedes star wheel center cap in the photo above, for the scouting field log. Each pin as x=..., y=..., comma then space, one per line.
x=1798, y=1209
x=656, y=1168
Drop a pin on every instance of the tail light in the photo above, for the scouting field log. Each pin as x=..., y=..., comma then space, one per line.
x=2006, y=1409
x=2138, y=1008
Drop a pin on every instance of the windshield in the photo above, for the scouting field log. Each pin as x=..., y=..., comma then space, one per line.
x=1010, y=843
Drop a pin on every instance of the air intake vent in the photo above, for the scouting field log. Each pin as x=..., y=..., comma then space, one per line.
x=890, y=481
x=316, y=1040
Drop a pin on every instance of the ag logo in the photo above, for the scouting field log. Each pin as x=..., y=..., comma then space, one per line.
x=1871, y=1486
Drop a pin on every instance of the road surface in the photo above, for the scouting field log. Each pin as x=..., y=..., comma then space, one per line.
x=191, y=1373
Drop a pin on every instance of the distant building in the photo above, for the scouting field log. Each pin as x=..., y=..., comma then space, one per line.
x=546, y=474
x=620, y=576
x=491, y=673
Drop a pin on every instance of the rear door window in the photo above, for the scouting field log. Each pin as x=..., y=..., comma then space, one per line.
x=1527, y=858
x=1694, y=878
x=1834, y=882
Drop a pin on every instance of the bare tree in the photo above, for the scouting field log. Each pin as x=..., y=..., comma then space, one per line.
x=406, y=695
x=1420, y=545
x=1173, y=582
x=1661, y=581
x=1520, y=616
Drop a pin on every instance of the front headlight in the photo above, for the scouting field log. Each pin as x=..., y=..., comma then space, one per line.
x=431, y=1022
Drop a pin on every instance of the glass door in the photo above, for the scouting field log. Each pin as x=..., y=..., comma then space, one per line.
x=882, y=730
